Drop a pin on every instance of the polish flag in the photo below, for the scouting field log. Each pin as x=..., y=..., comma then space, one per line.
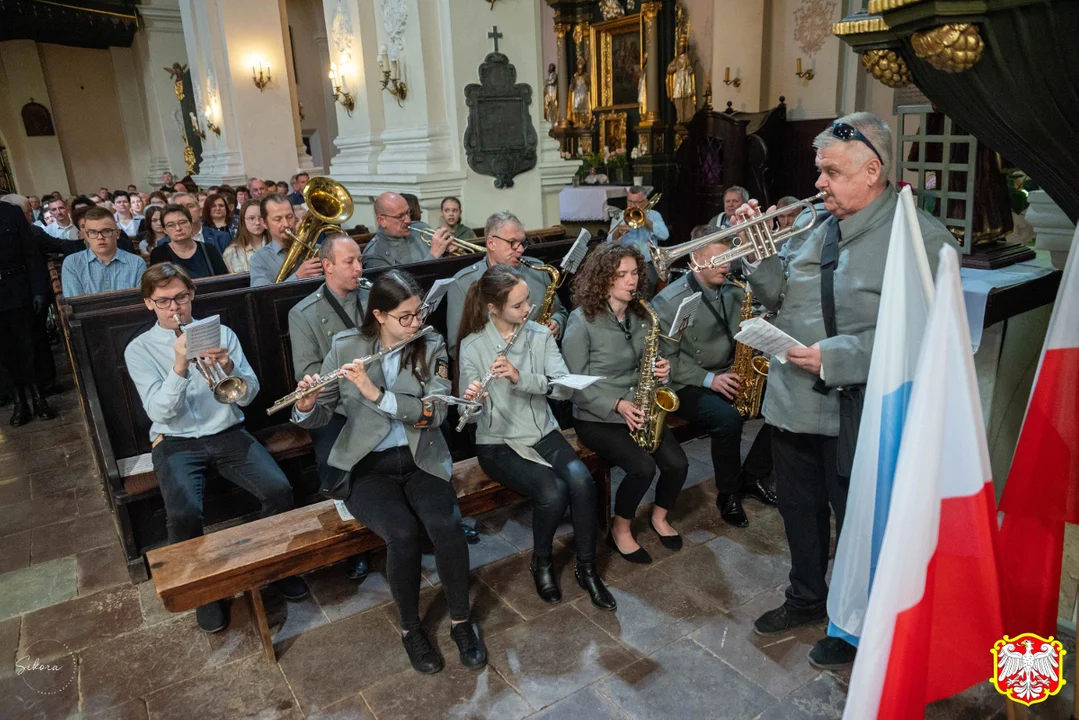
x=934, y=609
x=1042, y=492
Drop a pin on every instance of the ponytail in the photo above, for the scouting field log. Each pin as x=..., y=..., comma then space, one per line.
x=493, y=288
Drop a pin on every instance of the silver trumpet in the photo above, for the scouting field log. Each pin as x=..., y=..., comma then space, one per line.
x=226, y=388
x=468, y=412
x=759, y=239
x=293, y=397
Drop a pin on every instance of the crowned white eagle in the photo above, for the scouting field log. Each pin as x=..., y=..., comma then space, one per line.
x=1036, y=670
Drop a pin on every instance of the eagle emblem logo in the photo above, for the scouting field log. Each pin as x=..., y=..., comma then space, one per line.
x=1028, y=668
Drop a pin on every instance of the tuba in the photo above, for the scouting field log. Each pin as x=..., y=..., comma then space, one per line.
x=651, y=399
x=328, y=205
x=749, y=365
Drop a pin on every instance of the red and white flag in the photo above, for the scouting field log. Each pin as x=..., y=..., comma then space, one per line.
x=934, y=608
x=1042, y=492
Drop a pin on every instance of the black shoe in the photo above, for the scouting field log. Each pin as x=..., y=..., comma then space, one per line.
x=755, y=488
x=589, y=580
x=359, y=566
x=42, y=411
x=469, y=647
x=730, y=509
x=294, y=589
x=20, y=411
x=639, y=556
x=424, y=658
x=54, y=388
x=671, y=542
x=213, y=617
x=546, y=583
x=472, y=535
x=786, y=617
x=832, y=654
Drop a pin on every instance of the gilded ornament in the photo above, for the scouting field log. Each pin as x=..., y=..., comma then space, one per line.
x=951, y=48
x=887, y=67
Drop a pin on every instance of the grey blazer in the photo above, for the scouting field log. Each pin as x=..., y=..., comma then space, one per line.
x=312, y=323
x=790, y=403
x=367, y=425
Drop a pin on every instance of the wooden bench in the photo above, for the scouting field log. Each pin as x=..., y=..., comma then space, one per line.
x=244, y=558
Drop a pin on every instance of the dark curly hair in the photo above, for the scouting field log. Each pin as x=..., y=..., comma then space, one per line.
x=592, y=283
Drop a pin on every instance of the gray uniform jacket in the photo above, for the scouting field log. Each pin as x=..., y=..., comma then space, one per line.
x=706, y=346
x=600, y=347
x=312, y=323
x=790, y=403
x=386, y=251
x=516, y=412
x=366, y=425
x=464, y=279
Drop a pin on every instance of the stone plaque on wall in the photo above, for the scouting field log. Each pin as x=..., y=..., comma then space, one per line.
x=500, y=139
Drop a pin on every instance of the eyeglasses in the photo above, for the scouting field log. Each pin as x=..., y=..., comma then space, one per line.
x=177, y=224
x=408, y=318
x=514, y=244
x=399, y=217
x=846, y=133
x=107, y=233
x=182, y=299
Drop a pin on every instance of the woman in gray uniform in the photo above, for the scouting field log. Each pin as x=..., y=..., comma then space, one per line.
x=518, y=441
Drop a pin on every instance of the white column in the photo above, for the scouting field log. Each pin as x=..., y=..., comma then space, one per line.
x=158, y=45
x=129, y=95
x=303, y=160
x=328, y=131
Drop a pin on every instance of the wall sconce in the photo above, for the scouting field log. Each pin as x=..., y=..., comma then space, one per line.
x=210, y=123
x=195, y=125
x=807, y=75
x=340, y=94
x=261, y=80
x=737, y=82
x=391, y=75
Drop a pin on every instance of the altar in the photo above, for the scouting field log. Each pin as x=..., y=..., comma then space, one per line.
x=588, y=203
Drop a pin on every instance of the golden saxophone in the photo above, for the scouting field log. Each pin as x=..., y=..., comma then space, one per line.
x=749, y=365
x=651, y=399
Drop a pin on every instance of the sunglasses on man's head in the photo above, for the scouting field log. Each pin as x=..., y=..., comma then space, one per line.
x=846, y=133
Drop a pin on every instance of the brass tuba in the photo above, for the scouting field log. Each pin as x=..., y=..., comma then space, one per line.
x=328, y=205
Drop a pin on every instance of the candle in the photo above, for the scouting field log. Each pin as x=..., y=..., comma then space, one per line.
x=209, y=113
x=727, y=74
x=799, y=66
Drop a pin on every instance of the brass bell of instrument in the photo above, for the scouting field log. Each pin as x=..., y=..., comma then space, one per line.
x=329, y=205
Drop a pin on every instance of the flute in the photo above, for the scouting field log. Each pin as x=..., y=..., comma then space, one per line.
x=293, y=397
x=470, y=411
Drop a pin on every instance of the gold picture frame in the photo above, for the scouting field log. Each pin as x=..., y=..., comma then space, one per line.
x=612, y=130
x=617, y=49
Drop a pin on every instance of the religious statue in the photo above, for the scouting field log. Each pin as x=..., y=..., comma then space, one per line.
x=642, y=88
x=176, y=72
x=550, y=95
x=581, y=107
x=681, y=82
x=611, y=9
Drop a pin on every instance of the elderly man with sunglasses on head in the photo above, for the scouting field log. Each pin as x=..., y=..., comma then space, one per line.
x=397, y=242
x=844, y=253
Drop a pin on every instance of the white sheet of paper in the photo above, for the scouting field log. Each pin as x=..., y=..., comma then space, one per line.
x=135, y=465
x=343, y=511
x=436, y=293
x=527, y=452
x=572, y=260
x=762, y=335
x=203, y=335
x=687, y=310
x=576, y=382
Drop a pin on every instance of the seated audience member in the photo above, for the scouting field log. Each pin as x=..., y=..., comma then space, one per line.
x=202, y=197
x=45, y=221
x=36, y=210
x=159, y=198
x=395, y=242
x=415, y=212
x=192, y=433
x=179, y=188
x=104, y=194
x=138, y=205
x=102, y=267
x=242, y=195
x=132, y=190
x=125, y=217
x=81, y=201
x=230, y=203
x=257, y=188
x=45, y=243
x=266, y=263
x=282, y=188
x=250, y=236
x=167, y=181
x=451, y=219
x=216, y=214
x=733, y=197
x=61, y=226
x=298, y=181
x=197, y=258
x=220, y=239
x=300, y=211
x=153, y=230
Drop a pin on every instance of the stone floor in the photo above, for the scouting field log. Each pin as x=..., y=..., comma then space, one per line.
x=680, y=645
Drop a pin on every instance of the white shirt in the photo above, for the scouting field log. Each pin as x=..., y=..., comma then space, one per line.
x=131, y=227
x=69, y=232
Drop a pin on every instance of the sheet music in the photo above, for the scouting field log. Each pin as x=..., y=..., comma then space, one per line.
x=527, y=452
x=436, y=293
x=343, y=511
x=686, y=312
x=203, y=335
x=575, y=382
x=451, y=400
x=761, y=335
x=135, y=465
x=572, y=260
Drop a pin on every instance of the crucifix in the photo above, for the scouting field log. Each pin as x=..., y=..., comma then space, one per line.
x=494, y=34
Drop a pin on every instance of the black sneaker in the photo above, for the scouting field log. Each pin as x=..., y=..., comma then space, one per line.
x=213, y=617
x=786, y=617
x=294, y=589
x=421, y=654
x=473, y=653
x=832, y=654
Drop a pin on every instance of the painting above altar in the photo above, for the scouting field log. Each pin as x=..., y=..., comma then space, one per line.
x=616, y=62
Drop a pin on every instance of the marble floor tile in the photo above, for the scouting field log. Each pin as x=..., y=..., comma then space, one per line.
x=68, y=538
x=514, y=524
x=250, y=687
x=340, y=597
x=153, y=611
x=27, y=696
x=101, y=568
x=490, y=548
x=512, y=581
x=587, y=704
x=14, y=552
x=131, y=710
x=15, y=490
x=37, y=586
x=84, y=621
x=351, y=708
x=822, y=698
x=456, y=692
x=38, y=512
x=9, y=645
x=78, y=475
x=724, y=571
x=288, y=620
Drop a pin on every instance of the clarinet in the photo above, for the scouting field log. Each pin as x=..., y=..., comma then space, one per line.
x=470, y=411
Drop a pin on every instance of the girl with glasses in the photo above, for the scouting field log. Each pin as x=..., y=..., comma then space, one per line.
x=250, y=236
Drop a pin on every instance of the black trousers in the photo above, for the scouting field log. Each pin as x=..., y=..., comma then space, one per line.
x=613, y=443
x=809, y=489
x=713, y=413
x=322, y=440
x=17, y=345
x=392, y=496
x=44, y=364
x=566, y=483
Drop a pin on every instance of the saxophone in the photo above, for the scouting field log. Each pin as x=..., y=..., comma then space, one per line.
x=749, y=365
x=549, y=295
x=654, y=401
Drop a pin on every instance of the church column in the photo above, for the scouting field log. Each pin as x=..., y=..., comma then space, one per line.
x=157, y=46
x=303, y=160
x=649, y=11
x=561, y=30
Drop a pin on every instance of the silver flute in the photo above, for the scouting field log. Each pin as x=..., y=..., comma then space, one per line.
x=293, y=397
x=468, y=412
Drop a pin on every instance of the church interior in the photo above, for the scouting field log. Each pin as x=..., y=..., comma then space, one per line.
x=585, y=125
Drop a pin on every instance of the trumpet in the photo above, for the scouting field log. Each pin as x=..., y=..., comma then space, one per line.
x=293, y=397
x=227, y=389
x=760, y=239
x=635, y=217
x=464, y=247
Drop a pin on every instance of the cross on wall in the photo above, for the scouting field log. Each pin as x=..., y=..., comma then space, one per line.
x=495, y=35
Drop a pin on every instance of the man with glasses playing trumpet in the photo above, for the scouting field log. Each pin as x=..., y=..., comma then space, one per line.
x=396, y=242
x=640, y=225
x=192, y=432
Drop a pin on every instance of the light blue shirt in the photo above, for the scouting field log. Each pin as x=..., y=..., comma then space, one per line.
x=184, y=406
x=639, y=237
x=266, y=262
x=84, y=274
